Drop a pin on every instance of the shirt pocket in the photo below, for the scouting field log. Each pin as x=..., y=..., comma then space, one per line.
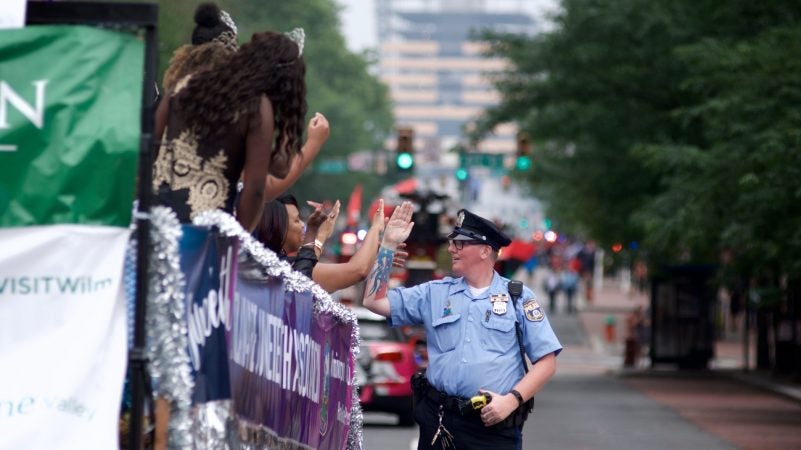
x=446, y=332
x=499, y=334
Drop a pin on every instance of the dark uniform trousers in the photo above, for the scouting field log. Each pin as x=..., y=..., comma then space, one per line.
x=468, y=431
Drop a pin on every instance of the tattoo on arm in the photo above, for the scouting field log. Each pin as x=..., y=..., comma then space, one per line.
x=379, y=276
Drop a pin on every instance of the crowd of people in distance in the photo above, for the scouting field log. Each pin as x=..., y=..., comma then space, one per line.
x=568, y=269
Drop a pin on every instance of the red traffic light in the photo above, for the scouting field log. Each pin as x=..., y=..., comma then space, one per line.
x=523, y=144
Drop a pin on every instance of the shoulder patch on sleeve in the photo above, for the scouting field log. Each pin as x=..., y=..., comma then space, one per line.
x=533, y=311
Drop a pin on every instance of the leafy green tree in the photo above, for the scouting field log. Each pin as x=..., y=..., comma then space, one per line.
x=738, y=188
x=588, y=93
x=675, y=123
x=656, y=121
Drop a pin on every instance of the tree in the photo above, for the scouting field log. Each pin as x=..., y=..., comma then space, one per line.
x=675, y=122
x=643, y=112
x=588, y=98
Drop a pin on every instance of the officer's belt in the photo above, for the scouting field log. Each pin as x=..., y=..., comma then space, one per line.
x=451, y=403
x=421, y=385
x=448, y=402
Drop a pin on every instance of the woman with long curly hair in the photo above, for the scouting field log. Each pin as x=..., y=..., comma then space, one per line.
x=214, y=38
x=244, y=115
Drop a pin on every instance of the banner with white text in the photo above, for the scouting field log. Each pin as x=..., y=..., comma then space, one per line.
x=62, y=336
x=208, y=264
x=291, y=369
x=285, y=368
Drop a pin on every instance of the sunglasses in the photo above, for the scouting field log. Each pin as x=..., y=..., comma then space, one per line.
x=458, y=245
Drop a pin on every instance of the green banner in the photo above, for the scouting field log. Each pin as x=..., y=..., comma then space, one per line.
x=70, y=101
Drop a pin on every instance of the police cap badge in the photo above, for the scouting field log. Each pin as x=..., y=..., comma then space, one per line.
x=472, y=227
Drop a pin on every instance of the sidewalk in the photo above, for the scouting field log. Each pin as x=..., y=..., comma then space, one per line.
x=751, y=410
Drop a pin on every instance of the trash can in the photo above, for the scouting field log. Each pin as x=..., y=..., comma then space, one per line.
x=682, y=316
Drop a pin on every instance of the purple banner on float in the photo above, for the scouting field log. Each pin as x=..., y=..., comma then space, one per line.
x=290, y=369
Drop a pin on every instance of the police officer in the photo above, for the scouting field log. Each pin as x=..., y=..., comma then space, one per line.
x=472, y=340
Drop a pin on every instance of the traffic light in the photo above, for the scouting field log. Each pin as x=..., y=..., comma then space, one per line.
x=461, y=174
x=404, y=158
x=523, y=160
x=523, y=163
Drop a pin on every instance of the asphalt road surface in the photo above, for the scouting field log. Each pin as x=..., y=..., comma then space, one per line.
x=585, y=406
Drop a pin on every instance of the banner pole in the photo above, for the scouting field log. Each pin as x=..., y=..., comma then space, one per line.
x=142, y=16
x=137, y=359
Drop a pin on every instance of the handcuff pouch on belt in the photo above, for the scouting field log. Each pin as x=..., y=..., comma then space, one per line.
x=419, y=386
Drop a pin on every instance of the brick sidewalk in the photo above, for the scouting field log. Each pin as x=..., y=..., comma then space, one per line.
x=748, y=417
x=748, y=409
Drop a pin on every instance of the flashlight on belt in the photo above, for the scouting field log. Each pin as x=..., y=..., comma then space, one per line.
x=474, y=403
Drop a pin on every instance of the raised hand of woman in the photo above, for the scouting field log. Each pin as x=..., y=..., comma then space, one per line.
x=313, y=224
x=327, y=227
x=318, y=129
x=378, y=217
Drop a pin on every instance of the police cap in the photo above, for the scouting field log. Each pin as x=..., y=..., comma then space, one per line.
x=471, y=227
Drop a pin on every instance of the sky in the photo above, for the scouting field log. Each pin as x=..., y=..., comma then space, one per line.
x=358, y=19
x=358, y=23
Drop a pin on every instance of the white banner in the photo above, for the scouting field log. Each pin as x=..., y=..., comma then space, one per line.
x=12, y=14
x=62, y=336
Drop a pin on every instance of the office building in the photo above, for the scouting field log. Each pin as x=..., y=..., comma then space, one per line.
x=438, y=77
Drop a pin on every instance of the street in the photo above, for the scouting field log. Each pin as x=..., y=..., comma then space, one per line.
x=585, y=406
x=592, y=403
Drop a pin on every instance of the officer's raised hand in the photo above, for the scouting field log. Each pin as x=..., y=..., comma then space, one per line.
x=397, y=229
x=498, y=409
x=399, y=226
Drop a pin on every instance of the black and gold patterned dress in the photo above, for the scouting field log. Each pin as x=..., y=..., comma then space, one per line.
x=191, y=176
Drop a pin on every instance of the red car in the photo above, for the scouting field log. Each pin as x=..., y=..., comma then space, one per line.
x=387, y=362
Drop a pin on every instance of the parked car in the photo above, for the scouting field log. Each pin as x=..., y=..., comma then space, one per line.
x=388, y=361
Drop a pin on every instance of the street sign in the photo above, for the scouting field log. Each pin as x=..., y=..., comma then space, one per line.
x=491, y=160
x=332, y=165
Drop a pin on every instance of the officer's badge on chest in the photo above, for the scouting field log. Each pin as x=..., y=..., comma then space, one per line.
x=499, y=303
x=532, y=311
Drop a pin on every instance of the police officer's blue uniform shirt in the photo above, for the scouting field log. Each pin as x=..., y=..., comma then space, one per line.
x=471, y=347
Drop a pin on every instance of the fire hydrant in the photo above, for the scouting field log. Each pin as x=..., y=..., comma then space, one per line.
x=609, y=329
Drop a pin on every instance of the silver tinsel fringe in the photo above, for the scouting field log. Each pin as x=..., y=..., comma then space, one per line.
x=212, y=428
x=167, y=341
x=294, y=281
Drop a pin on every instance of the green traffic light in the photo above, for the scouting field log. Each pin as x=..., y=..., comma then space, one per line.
x=461, y=174
x=404, y=161
x=523, y=163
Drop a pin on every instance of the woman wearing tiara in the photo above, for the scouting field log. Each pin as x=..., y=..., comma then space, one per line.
x=212, y=26
x=214, y=38
x=241, y=117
